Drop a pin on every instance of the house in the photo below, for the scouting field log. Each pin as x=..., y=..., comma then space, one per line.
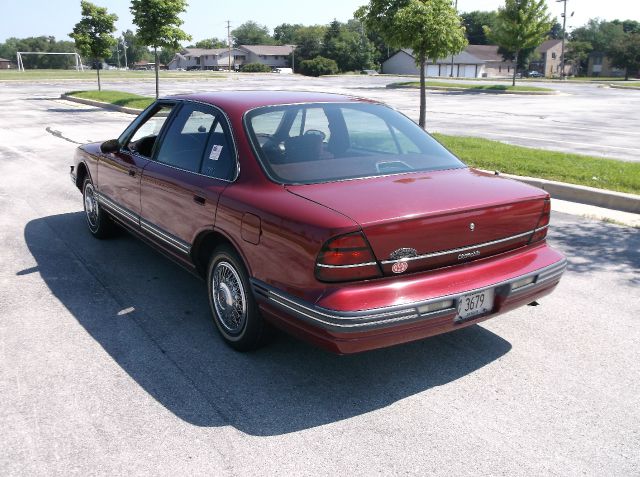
x=600, y=65
x=5, y=64
x=275, y=56
x=475, y=61
x=548, y=60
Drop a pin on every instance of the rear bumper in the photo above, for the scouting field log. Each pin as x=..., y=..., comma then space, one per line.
x=361, y=329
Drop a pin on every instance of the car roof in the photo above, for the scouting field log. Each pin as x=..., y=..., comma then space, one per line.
x=242, y=101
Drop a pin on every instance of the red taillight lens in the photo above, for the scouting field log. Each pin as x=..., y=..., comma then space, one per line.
x=347, y=257
x=543, y=223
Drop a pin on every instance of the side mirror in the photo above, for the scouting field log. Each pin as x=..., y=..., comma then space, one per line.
x=112, y=145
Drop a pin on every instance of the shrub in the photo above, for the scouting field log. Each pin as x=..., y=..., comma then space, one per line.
x=318, y=66
x=255, y=68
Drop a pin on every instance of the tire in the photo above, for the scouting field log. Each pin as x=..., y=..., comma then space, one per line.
x=232, y=304
x=99, y=223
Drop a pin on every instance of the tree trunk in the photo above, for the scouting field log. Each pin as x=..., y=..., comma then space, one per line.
x=155, y=55
x=515, y=69
x=98, y=65
x=423, y=96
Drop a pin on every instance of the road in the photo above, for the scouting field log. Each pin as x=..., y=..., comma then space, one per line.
x=110, y=364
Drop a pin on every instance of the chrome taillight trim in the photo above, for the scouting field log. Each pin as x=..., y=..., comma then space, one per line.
x=368, y=264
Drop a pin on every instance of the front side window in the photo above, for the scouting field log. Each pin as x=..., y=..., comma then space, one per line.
x=311, y=143
x=144, y=138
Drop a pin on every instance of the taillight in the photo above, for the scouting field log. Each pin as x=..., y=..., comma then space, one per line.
x=543, y=223
x=347, y=257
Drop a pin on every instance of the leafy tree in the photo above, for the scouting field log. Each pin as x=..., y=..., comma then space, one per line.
x=158, y=25
x=577, y=53
x=432, y=28
x=45, y=44
x=601, y=34
x=348, y=46
x=209, y=43
x=555, y=33
x=250, y=33
x=93, y=33
x=308, y=41
x=286, y=33
x=520, y=25
x=318, y=66
x=625, y=53
x=136, y=49
x=255, y=68
x=474, y=23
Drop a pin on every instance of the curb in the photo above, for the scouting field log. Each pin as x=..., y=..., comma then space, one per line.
x=619, y=86
x=100, y=104
x=583, y=194
x=474, y=90
x=558, y=190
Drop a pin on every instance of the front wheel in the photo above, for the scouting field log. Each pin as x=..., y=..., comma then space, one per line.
x=99, y=222
x=234, y=309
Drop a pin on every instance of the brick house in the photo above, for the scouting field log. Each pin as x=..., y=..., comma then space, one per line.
x=274, y=56
x=5, y=64
x=600, y=65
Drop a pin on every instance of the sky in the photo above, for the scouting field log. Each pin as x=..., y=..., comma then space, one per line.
x=207, y=18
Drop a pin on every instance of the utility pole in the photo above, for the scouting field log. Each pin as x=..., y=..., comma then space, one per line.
x=124, y=47
x=118, y=53
x=564, y=36
x=451, y=75
x=229, y=41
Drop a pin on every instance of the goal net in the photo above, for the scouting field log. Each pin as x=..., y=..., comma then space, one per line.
x=76, y=56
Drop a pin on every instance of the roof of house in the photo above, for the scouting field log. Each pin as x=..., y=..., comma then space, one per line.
x=485, y=52
x=2, y=59
x=269, y=50
x=546, y=45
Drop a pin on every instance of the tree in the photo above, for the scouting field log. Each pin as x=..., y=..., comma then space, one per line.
x=93, y=33
x=348, y=46
x=308, y=41
x=285, y=33
x=474, y=23
x=432, y=28
x=209, y=43
x=520, y=25
x=625, y=53
x=577, y=53
x=158, y=25
x=250, y=33
x=599, y=33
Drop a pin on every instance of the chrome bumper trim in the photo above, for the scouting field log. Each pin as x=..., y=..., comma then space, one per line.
x=388, y=316
x=464, y=249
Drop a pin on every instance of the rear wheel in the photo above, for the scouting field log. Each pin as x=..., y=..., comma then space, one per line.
x=99, y=222
x=234, y=309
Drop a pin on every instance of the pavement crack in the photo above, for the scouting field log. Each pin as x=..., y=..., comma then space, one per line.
x=56, y=133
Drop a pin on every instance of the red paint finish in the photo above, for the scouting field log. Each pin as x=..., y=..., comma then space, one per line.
x=279, y=231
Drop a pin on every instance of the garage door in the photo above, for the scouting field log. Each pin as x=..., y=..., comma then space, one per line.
x=432, y=70
x=469, y=71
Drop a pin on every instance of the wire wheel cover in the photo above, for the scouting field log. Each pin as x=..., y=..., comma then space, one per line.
x=229, y=298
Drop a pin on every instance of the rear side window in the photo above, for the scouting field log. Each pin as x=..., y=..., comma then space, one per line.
x=311, y=143
x=199, y=140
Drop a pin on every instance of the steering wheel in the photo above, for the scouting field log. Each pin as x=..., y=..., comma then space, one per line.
x=315, y=132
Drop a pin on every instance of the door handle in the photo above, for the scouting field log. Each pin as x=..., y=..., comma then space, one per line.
x=132, y=172
x=199, y=200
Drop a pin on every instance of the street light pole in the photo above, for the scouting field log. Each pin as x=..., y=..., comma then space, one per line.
x=124, y=47
x=451, y=75
x=564, y=35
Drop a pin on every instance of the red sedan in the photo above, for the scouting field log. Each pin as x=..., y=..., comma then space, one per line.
x=334, y=218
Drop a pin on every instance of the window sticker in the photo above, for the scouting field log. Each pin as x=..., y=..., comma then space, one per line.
x=216, y=150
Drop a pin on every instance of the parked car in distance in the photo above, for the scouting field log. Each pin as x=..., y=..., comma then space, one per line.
x=284, y=71
x=334, y=218
x=535, y=74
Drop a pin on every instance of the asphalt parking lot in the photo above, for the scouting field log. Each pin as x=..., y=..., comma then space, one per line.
x=109, y=363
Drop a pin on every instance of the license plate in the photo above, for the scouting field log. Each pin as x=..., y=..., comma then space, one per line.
x=475, y=304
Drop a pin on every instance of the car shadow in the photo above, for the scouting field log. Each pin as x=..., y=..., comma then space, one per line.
x=593, y=246
x=152, y=318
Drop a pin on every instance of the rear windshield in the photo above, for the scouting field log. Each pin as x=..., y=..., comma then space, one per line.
x=311, y=143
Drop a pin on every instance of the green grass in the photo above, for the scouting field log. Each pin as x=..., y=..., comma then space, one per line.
x=590, y=171
x=105, y=75
x=628, y=84
x=472, y=87
x=118, y=98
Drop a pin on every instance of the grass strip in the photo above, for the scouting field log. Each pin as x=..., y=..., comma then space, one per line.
x=610, y=174
x=473, y=87
x=117, y=98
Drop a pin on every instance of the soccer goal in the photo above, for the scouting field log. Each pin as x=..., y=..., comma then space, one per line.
x=19, y=54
